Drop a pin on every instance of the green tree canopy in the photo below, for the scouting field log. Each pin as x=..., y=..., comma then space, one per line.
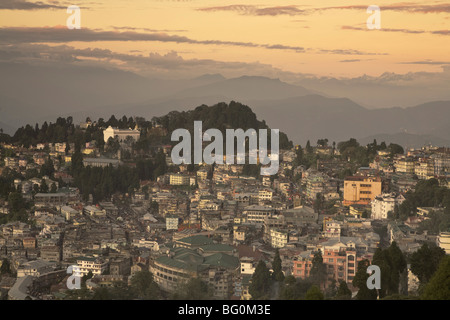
x=277, y=274
x=343, y=292
x=144, y=287
x=438, y=288
x=425, y=261
x=260, y=282
x=314, y=293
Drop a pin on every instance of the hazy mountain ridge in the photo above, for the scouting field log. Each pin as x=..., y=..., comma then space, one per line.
x=33, y=94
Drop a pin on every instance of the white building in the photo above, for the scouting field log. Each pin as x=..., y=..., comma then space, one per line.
x=278, y=238
x=332, y=229
x=120, y=134
x=172, y=222
x=69, y=213
x=94, y=211
x=95, y=265
x=383, y=204
x=443, y=241
x=248, y=265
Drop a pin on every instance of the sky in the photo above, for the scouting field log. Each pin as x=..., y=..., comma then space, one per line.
x=184, y=38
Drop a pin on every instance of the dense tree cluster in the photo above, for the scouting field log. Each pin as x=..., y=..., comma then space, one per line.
x=425, y=262
x=351, y=150
x=221, y=116
x=392, y=264
x=427, y=193
x=104, y=182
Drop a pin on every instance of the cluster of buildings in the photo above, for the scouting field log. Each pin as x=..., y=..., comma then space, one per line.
x=215, y=223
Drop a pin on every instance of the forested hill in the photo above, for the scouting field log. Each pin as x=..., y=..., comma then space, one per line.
x=220, y=116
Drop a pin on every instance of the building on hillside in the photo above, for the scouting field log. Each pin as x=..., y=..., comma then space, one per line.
x=257, y=214
x=217, y=270
x=179, y=179
x=443, y=241
x=361, y=189
x=91, y=264
x=424, y=168
x=100, y=162
x=120, y=134
x=385, y=203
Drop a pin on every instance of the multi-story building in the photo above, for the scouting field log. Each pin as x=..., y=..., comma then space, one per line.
x=100, y=162
x=51, y=253
x=332, y=228
x=94, y=211
x=120, y=134
x=442, y=165
x=361, y=189
x=314, y=185
x=443, y=241
x=341, y=264
x=178, y=179
x=91, y=264
x=50, y=199
x=257, y=214
x=279, y=238
x=383, y=204
x=424, y=168
x=404, y=165
x=265, y=195
x=180, y=264
x=172, y=222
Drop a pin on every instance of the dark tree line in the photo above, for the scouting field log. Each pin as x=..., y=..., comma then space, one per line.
x=221, y=116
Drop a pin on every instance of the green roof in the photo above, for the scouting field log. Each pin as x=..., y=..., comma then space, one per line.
x=216, y=247
x=222, y=260
x=191, y=261
x=197, y=240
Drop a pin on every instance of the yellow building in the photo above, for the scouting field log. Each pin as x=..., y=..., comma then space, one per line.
x=361, y=190
x=424, y=169
x=404, y=165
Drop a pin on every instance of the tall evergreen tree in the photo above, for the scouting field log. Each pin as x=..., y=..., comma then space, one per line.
x=277, y=274
x=260, y=282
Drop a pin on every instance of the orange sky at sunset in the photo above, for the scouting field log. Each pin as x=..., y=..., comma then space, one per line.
x=323, y=38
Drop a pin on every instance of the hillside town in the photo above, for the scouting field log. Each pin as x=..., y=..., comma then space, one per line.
x=216, y=223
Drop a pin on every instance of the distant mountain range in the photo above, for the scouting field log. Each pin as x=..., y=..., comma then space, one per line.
x=34, y=94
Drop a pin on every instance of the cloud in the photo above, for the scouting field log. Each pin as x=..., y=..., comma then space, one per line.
x=428, y=62
x=297, y=10
x=291, y=10
x=147, y=29
x=26, y=5
x=410, y=31
x=349, y=52
x=351, y=60
x=401, y=7
x=168, y=65
x=61, y=34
